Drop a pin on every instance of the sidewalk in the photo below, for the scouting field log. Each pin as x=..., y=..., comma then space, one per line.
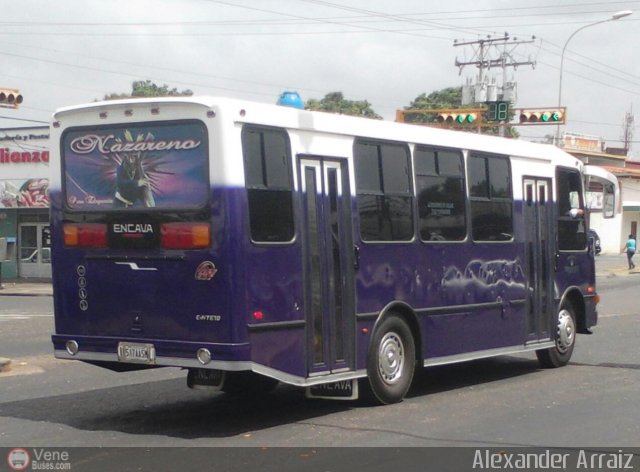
x=32, y=288
x=615, y=265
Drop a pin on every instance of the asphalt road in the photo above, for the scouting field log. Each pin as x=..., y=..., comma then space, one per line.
x=505, y=402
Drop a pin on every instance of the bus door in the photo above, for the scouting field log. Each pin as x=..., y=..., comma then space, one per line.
x=539, y=251
x=327, y=264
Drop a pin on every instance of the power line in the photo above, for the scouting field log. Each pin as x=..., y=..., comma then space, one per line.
x=23, y=119
x=595, y=81
x=592, y=60
x=367, y=15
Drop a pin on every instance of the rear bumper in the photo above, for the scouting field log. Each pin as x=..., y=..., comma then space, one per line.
x=103, y=351
x=167, y=353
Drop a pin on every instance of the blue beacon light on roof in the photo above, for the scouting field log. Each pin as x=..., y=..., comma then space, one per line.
x=290, y=99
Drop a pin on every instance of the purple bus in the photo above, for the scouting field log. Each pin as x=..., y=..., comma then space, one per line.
x=253, y=244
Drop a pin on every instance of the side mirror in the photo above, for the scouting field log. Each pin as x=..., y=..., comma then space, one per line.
x=609, y=202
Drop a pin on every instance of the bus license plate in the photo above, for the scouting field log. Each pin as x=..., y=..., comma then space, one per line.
x=137, y=352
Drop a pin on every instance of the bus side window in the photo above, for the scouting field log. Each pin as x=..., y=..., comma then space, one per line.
x=572, y=234
x=441, y=194
x=267, y=170
x=491, y=198
x=385, y=201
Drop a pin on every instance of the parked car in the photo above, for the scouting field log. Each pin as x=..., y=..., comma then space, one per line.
x=594, y=239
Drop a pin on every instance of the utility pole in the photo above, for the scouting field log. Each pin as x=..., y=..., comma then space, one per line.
x=505, y=59
x=488, y=54
x=627, y=131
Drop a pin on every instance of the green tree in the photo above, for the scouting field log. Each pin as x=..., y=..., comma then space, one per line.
x=448, y=98
x=146, y=88
x=335, y=102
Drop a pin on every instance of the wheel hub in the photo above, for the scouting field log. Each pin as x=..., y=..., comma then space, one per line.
x=566, y=331
x=391, y=358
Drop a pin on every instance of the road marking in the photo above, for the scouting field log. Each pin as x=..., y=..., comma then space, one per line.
x=611, y=315
x=22, y=316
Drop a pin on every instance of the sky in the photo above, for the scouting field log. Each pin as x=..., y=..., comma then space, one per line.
x=69, y=52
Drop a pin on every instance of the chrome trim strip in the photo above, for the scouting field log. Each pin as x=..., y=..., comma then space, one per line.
x=501, y=351
x=221, y=365
x=294, y=379
x=302, y=382
x=447, y=310
x=256, y=327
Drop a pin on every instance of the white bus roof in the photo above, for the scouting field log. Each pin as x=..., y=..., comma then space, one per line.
x=292, y=118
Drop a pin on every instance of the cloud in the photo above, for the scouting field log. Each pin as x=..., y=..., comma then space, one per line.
x=60, y=54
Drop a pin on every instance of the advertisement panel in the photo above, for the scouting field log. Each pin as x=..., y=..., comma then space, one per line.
x=30, y=193
x=133, y=166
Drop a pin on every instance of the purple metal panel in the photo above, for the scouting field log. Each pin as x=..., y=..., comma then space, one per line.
x=153, y=295
x=150, y=293
x=437, y=276
x=283, y=349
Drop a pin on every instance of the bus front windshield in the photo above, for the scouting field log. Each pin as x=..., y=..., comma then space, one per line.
x=136, y=166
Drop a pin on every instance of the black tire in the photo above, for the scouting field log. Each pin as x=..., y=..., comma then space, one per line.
x=391, y=361
x=247, y=383
x=565, y=337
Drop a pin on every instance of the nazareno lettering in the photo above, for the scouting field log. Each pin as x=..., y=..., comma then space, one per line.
x=108, y=144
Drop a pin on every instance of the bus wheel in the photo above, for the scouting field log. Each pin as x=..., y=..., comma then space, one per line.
x=247, y=383
x=391, y=361
x=565, y=337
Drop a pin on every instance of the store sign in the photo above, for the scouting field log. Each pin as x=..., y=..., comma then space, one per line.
x=7, y=156
x=31, y=193
x=575, y=142
x=9, y=135
x=24, y=152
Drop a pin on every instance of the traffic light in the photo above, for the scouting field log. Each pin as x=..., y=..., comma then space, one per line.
x=542, y=116
x=457, y=118
x=10, y=98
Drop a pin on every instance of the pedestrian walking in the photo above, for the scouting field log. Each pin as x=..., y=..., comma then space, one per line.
x=630, y=249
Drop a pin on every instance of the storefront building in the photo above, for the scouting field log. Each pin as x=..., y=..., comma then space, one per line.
x=25, y=239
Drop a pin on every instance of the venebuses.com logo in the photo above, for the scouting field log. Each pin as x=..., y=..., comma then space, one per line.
x=38, y=459
x=18, y=459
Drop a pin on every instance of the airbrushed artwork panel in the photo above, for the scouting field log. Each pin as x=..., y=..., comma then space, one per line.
x=136, y=166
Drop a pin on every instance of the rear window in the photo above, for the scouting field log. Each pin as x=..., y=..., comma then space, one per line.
x=134, y=166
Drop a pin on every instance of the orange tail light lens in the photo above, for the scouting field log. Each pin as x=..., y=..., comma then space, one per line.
x=85, y=235
x=185, y=235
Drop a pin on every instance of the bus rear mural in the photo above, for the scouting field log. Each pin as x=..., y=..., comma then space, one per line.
x=253, y=244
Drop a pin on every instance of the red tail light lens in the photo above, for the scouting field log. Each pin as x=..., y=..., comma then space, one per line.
x=85, y=235
x=185, y=235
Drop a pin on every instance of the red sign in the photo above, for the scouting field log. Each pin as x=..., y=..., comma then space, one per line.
x=8, y=156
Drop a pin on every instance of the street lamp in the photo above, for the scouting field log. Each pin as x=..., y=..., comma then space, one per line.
x=615, y=16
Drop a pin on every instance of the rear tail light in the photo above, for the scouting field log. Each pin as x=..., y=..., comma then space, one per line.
x=85, y=235
x=185, y=235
